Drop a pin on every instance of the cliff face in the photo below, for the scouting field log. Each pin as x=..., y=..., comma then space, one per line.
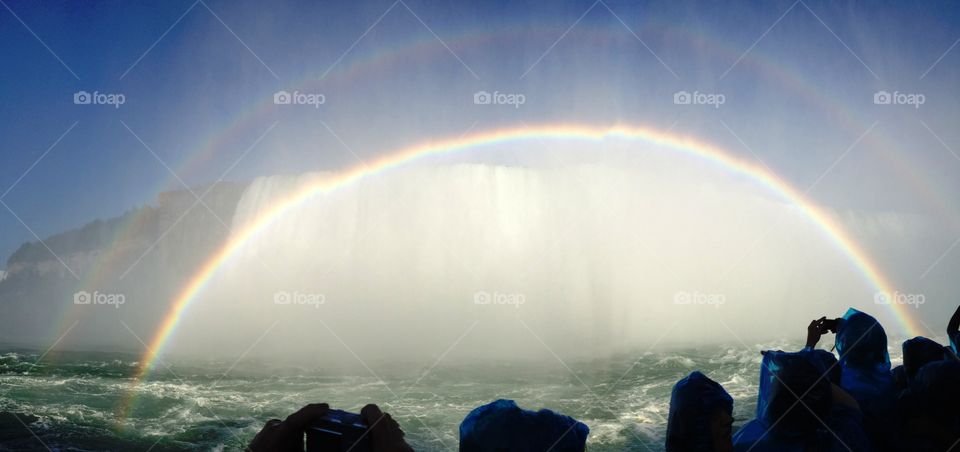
x=177, y=227
x=144, y=254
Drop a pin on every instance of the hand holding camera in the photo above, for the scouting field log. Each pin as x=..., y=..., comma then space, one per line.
x=332, y=431
x=819, y=327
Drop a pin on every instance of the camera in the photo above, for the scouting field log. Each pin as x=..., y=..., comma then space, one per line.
x=338, y=431
x=831, y=325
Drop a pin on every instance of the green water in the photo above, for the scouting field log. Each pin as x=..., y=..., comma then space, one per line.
x=74, y=401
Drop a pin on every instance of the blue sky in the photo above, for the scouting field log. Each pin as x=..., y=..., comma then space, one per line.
x=186, y=69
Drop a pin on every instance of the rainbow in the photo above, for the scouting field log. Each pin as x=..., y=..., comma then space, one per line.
x=424, y=50
x=825, y=221
x=386, y=61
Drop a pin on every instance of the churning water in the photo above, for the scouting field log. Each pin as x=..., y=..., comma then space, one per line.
x=72, y=401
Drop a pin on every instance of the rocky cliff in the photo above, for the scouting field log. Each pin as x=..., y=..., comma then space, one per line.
x=144, y=254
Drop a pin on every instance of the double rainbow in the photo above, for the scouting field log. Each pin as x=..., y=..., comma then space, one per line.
x=827, y=225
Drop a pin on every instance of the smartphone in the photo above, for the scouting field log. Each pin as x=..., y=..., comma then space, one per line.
x=338, y=431
x=831, y=325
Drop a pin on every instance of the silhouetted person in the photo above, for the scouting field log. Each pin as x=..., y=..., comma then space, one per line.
x=701, y=416
x=953, y=331
x=503, y=426
x=865, y=372
x=930, y=404
x=862, y=344
x=287, y=435
x=798, y=409
x=917, y=352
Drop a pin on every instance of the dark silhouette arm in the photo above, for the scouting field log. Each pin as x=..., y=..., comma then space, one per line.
x=287, y=435
x=385, y=434
x=814, y=331
x=954, y=324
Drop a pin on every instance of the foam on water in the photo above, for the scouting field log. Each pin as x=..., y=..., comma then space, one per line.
x=624, y=400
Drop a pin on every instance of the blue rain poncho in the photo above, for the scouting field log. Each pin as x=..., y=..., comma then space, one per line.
x=955, y=342
x=937, y=388
x=931, y=416
x=828, y=361
x=785, y=423
x=900, y=381
x=693, y=403
x=918, y=352
x=862, y=345
x=502, y=425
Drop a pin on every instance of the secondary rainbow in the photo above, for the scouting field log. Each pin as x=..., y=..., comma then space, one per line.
x=824, y=220
x=257, y=114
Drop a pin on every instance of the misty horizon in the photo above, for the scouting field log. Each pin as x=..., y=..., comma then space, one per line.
x=291, y=201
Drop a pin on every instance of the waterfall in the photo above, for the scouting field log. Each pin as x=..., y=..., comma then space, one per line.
x=511, y=261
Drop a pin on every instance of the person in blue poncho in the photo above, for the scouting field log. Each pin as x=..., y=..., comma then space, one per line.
x=862, y=344
x=865, y=372
x=930, y=408
x=701, y=416
x=503, y=426
x=917, y=352
x=799, y=409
